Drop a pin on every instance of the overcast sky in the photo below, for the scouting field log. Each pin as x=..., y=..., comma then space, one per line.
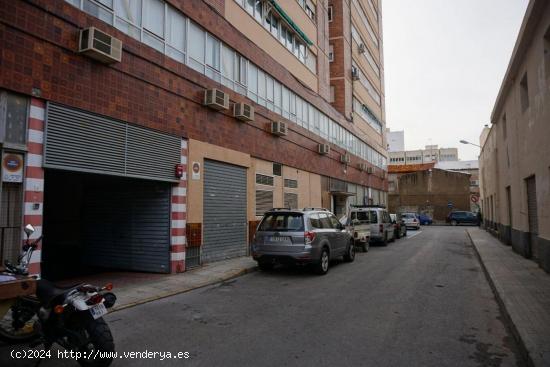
x=444, y=62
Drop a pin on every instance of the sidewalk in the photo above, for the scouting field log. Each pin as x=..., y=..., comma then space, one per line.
x=133, y=289
x=523, y=290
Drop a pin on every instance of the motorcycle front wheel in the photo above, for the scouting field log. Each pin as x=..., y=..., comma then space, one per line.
x=17, y=324
x=100, y=344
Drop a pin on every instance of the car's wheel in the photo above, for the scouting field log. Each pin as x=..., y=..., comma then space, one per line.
x=322, y=266
x=350, y=253
x=265, y=265
x=454, y=222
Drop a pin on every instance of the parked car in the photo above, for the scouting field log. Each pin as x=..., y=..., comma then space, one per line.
x=411, y=220
x=357, y=222
x=307, y=236
x=400, y=228
x=381, y=226
x=462, y=217
x=425, y=219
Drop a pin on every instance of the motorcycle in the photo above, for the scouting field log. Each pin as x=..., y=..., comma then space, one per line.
x=69, y=316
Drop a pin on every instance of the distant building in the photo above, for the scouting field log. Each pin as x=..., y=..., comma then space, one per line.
x=470, y=167
x=396, y=140
x=515, y=155
x=431, y=153
x=423, y=189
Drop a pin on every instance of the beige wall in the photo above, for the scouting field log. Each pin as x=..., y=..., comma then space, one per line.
x=507, y=159
x=245, y=23
x=309, y=185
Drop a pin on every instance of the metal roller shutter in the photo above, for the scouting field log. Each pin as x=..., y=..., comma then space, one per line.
x=532, y=214
x=82, y=141
x=224, y=216
x=127, y=226
x=291, y=200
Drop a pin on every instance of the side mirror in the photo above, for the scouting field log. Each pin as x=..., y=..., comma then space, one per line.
x=29, y=230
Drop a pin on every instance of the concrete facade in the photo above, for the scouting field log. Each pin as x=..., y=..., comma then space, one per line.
x=471, y=168
x=515, y=155
x=396, y=141
x=431, y=153
x=160, y=83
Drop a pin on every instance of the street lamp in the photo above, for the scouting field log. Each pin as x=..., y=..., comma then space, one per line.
x=467, y=142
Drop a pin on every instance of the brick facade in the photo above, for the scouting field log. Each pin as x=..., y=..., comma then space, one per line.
x=38, y=40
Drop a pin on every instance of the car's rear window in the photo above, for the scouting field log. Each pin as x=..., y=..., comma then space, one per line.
x=282, y=222
x=362, y=217
x=408, y=215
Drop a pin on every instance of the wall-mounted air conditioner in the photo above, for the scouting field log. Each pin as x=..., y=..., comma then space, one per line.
x=243, y=111
x=216, y=99
x=278, y=128
x=99, y=45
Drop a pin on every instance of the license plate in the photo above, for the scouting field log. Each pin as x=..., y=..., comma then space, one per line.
x=279, y=239
x=98, y=310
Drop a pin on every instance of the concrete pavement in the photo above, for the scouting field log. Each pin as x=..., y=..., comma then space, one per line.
x=523, y=289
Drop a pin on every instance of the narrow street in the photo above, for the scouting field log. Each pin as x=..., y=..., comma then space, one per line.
x=421, y=301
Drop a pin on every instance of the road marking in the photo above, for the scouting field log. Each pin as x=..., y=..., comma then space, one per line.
x=417, y=232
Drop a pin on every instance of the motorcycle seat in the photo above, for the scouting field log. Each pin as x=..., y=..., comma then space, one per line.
x=46, y=291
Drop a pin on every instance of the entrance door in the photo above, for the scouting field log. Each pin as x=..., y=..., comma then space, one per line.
x=10, y=222
x=532, y=215
x=224, y=213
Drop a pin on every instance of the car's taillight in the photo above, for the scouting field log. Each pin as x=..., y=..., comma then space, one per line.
x=94, y=300
x=309, y=236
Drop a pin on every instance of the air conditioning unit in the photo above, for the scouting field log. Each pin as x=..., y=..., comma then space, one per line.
x=243, y=111
x=370, y=170
x=361, y=49
x=345, y=158
x=278, y=128
x=216, y=99
x=323, y=149
x=99, y=45
x=354, y=73
x=362, y=166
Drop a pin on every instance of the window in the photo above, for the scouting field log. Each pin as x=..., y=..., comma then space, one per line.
x=153, y=17
x=373, y=9
x=282, y=222
x=315, y=221
x=264, y=202
x=291, y=184
x=240, y=69
x=330, y=13
x=524, y=93
x=264, y=179
x=277, y=169
x=291, y=200
x=228, y=61
x=325, y=220
x=310, y=9
x=196, y=47
x=366, y=22
x=330, y=53
x=333, y=221
x=13, y=118
x=175, y=35
x=128, y=17
x=212, y=52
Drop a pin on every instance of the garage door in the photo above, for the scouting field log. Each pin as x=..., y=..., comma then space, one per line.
x=224, y=215
x=127, y=225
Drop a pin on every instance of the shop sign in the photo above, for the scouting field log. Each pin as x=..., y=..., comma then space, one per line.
x=12, y=167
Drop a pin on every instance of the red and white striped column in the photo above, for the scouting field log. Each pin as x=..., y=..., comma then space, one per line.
x=179, y=217
x=34, y=179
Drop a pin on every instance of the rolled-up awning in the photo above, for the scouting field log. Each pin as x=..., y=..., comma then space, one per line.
x=290, y=22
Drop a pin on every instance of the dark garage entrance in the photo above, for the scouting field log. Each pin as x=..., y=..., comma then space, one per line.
x=97, y=222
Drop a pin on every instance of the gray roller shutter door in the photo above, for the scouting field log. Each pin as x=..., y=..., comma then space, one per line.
x=127, y=226
x=532, y=214
x=82, y=141
x=224, y=214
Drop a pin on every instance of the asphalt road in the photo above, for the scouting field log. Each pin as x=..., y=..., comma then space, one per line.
x=421, y=301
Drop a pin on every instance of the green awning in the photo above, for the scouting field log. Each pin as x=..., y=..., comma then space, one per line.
x=289, y=20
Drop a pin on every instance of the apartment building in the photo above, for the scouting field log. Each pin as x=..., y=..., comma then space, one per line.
x=431, y=153
x=515, y=155
x=151, y=135
x=396, y=140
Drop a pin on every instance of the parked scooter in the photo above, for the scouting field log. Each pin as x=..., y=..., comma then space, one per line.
x=69, y=316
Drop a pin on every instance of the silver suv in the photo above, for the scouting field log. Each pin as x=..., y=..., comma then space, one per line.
x=308, y=236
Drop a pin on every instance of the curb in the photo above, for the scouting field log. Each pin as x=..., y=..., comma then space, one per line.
x=185, y=290
x=509, y=321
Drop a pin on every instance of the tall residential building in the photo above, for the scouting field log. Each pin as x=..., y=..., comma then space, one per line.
x=396, y=140
x=515, y=155
x=151, y=135
x=431, y=153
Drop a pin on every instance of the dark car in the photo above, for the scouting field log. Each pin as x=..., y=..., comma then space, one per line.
x=462, y=217
x=425, y=219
